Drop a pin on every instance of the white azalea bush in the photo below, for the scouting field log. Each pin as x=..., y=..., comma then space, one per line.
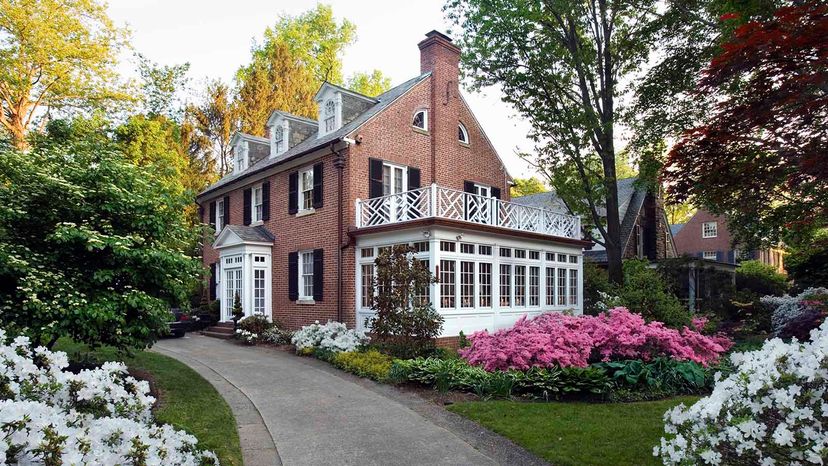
x=103, y=416
x=247, y=337
x=788, y=308
x=772, y=410
x=332, y=336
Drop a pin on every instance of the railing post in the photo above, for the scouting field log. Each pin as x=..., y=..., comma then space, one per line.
x=433, y=201
x=358, y=206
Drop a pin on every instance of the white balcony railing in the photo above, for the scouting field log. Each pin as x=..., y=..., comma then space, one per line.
x=437, y=201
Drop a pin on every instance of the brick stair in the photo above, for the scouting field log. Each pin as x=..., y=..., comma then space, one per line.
x=220, y=330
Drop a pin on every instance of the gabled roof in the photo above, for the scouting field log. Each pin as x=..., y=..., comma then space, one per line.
x=239, y=136
x=343, y=90
x=245, y=234
x=313, y=143
x=630, y=200
x=289, y=116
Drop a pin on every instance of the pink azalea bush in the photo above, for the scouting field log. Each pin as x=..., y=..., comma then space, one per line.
x=555, y=339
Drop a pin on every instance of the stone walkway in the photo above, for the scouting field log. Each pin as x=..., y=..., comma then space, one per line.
x=299, y=411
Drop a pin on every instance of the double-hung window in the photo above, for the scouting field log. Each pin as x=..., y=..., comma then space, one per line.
x=394, y=179
x=219, y=215
x=710, y=229
x=306, y=275
x=256, y=201
x=306, y=189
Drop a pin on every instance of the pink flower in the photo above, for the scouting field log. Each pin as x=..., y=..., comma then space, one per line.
x=554, y=339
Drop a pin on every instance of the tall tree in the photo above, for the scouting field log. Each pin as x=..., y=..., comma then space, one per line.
x=54, y=54
x=162, y=87
x=761, y=155
x=279, y=83
x=370, y=84
x=214, y=118
x=558, y=63
x=527, y=186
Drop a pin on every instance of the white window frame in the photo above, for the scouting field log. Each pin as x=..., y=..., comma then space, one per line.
x=279, y=139
x=425, y=119
x=710, y=229
x=240, y=157
x=710, y=255
x=305, y=196
x=305, y=289
x=219, y=220
x=257, y=204
x=463, y=134
x=392, y=185
x=259, y=292
x=329, y=116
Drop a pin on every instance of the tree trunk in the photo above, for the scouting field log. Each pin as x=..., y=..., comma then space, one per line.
x=612, y=242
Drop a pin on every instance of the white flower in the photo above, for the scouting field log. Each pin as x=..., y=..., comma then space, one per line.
x=333, y=336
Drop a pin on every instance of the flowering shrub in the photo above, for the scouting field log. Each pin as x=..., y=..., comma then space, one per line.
x=277, y=336
x=332, y=336
x=101, y=416
x=772, y=410
x=555, y=339
x=788, y=308
x=247, y=337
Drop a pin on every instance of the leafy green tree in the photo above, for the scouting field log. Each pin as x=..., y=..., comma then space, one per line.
x=527, y=186
x=559, y=64
x=161, y=87
x=403, y=322
x=92, y=246
x=807, y=261
x=760, y=278
x=370, y=84
x=55, y=54
x=214, y=119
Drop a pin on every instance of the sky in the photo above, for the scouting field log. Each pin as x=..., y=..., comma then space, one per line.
x=215, y=38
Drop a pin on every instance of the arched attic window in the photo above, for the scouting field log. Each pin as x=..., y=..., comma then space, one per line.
x=279, y=139
x=330, y=116
x=462, y=134
x=420, y=120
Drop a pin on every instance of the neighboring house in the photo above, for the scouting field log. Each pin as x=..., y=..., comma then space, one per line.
x=645, y=231
x=307, y=210
x=706, y=236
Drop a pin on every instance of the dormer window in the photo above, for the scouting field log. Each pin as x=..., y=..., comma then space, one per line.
x=462, y=134
x=421, y=120
x=241, y=157
x=330, y=116
x=279, y=140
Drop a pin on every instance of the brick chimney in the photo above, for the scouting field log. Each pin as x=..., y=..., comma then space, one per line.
x=441, y=57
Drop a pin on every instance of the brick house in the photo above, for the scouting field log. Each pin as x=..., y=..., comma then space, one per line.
x=645, y=231
x=307, y=209
x=706, y=236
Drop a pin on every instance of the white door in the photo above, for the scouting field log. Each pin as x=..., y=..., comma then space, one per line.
x=480, y=204
x=394, y=182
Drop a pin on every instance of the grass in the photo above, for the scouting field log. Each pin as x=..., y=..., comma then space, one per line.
x=187, y=400
x=578, y=433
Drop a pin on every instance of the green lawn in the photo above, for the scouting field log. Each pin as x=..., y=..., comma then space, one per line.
x=577, y=433
x=188, y=401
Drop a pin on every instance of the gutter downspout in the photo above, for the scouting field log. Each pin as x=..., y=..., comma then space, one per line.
x=339, y=164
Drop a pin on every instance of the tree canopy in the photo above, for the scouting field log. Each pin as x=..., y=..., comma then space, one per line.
x=91, y=246
x=766, y=140
x=527, y=186
x=559, y=64
x=370, y=84
x=54, y=55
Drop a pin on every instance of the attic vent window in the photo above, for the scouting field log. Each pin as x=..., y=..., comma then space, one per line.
x=462, y=134
x=421, y=120
x=278, y=139
x=330, y=116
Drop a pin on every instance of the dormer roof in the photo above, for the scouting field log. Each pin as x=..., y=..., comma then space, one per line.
x=326, y=85
x=314, y=143
x=276, y=114
x=239, y=137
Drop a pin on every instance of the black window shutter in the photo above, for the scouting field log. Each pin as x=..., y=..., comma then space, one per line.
x=468, y=186
x=227, y=210
x=731, y=256
x=318, y=270
x=496, y=193
x=413, y=178
x=266, y=200
x=212, y=219
x=293, y=193
x=719, y=256
x=317, y=186
x=374, y=178
x=213, y=281
x=293, y=276
x=247, y=214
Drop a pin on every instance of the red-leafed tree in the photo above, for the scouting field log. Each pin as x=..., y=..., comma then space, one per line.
x=761, y=158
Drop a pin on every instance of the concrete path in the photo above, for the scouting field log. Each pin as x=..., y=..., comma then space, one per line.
x=317, y=415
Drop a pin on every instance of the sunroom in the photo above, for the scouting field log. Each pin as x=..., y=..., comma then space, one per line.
x=244, y=269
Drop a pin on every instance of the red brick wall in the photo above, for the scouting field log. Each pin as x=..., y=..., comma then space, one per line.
x=689, y=240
